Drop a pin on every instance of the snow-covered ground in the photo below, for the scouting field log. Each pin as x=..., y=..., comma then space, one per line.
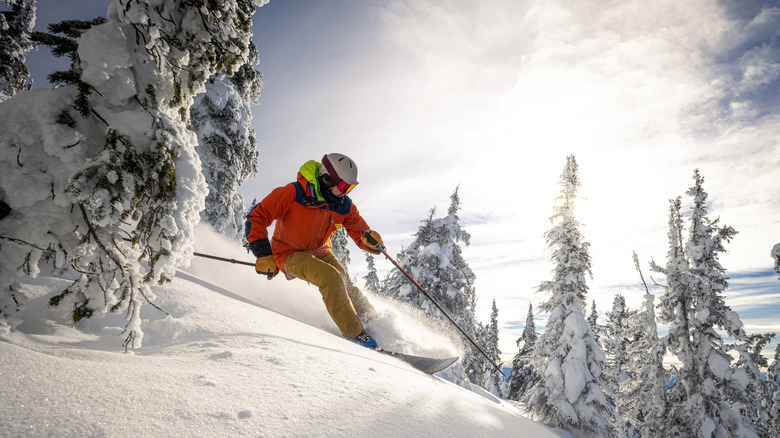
x=239, y=356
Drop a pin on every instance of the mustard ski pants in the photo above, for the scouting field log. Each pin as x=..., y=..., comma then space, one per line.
x=346, y=304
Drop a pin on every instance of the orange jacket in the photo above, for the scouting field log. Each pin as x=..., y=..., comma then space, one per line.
x=303, y=223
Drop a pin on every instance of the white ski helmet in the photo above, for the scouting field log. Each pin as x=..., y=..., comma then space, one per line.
x=342, y=170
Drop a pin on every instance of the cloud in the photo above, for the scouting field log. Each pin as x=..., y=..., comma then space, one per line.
x=744, y=63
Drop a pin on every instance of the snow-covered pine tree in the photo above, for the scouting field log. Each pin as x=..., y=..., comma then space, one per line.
x=773, y=377
x=373, y=285
x=773, y=372
x=615, y=345
x=776, y=258
x=397, y=286
x=227, y=144
x=700, y=402
x=566, y=355
x=434, y=259
x=16, y=24
x=478, y=365
x=755, y=404
x=774, y=413
x=123, y=165
x=522, y=376
x=674, y=306
x=593, y=322
x=641, y=401
x=709, y=283
x=340, y=249
x=491, y=380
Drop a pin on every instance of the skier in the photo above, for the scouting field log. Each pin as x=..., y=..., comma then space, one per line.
x=308, y=212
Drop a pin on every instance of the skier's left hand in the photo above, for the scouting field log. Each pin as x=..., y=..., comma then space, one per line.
x=372, y=240
x=266, y=266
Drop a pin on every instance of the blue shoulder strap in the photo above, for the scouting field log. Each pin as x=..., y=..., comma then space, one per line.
x=307, y=201
x=312, y=201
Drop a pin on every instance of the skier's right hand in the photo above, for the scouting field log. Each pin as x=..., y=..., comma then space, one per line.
x=267, y=266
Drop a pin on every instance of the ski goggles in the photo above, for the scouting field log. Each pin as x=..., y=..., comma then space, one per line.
x=343, y=187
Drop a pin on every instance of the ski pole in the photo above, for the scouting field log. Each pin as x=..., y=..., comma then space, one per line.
x=222, y=259
x=497, y=367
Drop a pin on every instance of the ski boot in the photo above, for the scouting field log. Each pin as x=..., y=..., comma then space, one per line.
x=365, y=340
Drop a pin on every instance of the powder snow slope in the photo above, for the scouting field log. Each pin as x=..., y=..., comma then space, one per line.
x=222, y=366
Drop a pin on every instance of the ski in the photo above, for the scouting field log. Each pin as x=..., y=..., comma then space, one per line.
x=427, y=365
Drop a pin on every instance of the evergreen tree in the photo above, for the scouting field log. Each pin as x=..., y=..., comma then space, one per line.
x=522, y=377
x=674, y=307
x=16, y=25
x=593, y=322
x=492, y=380
x=773, y=372
x=477, y=369
x=755, y=402
x=706, y=397
x=709, y=283
x=373, y=284
x=435, y=261
x=774, y=414
x=227, y=144
x=123, y=165
x=566, y=355
x=641, y=401
x=776, y=258
x=397, y=285
x=773, y=375
x=615, y=346
x=340, y=249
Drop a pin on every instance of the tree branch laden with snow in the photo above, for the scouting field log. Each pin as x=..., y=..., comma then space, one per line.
x=227, y=143
x=16, y=25
x=116, y=193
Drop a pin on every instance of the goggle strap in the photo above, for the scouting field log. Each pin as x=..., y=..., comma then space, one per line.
x=329, y=168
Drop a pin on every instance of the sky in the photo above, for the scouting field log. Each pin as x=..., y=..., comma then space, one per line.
x=491, y=96
x=224, y=366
